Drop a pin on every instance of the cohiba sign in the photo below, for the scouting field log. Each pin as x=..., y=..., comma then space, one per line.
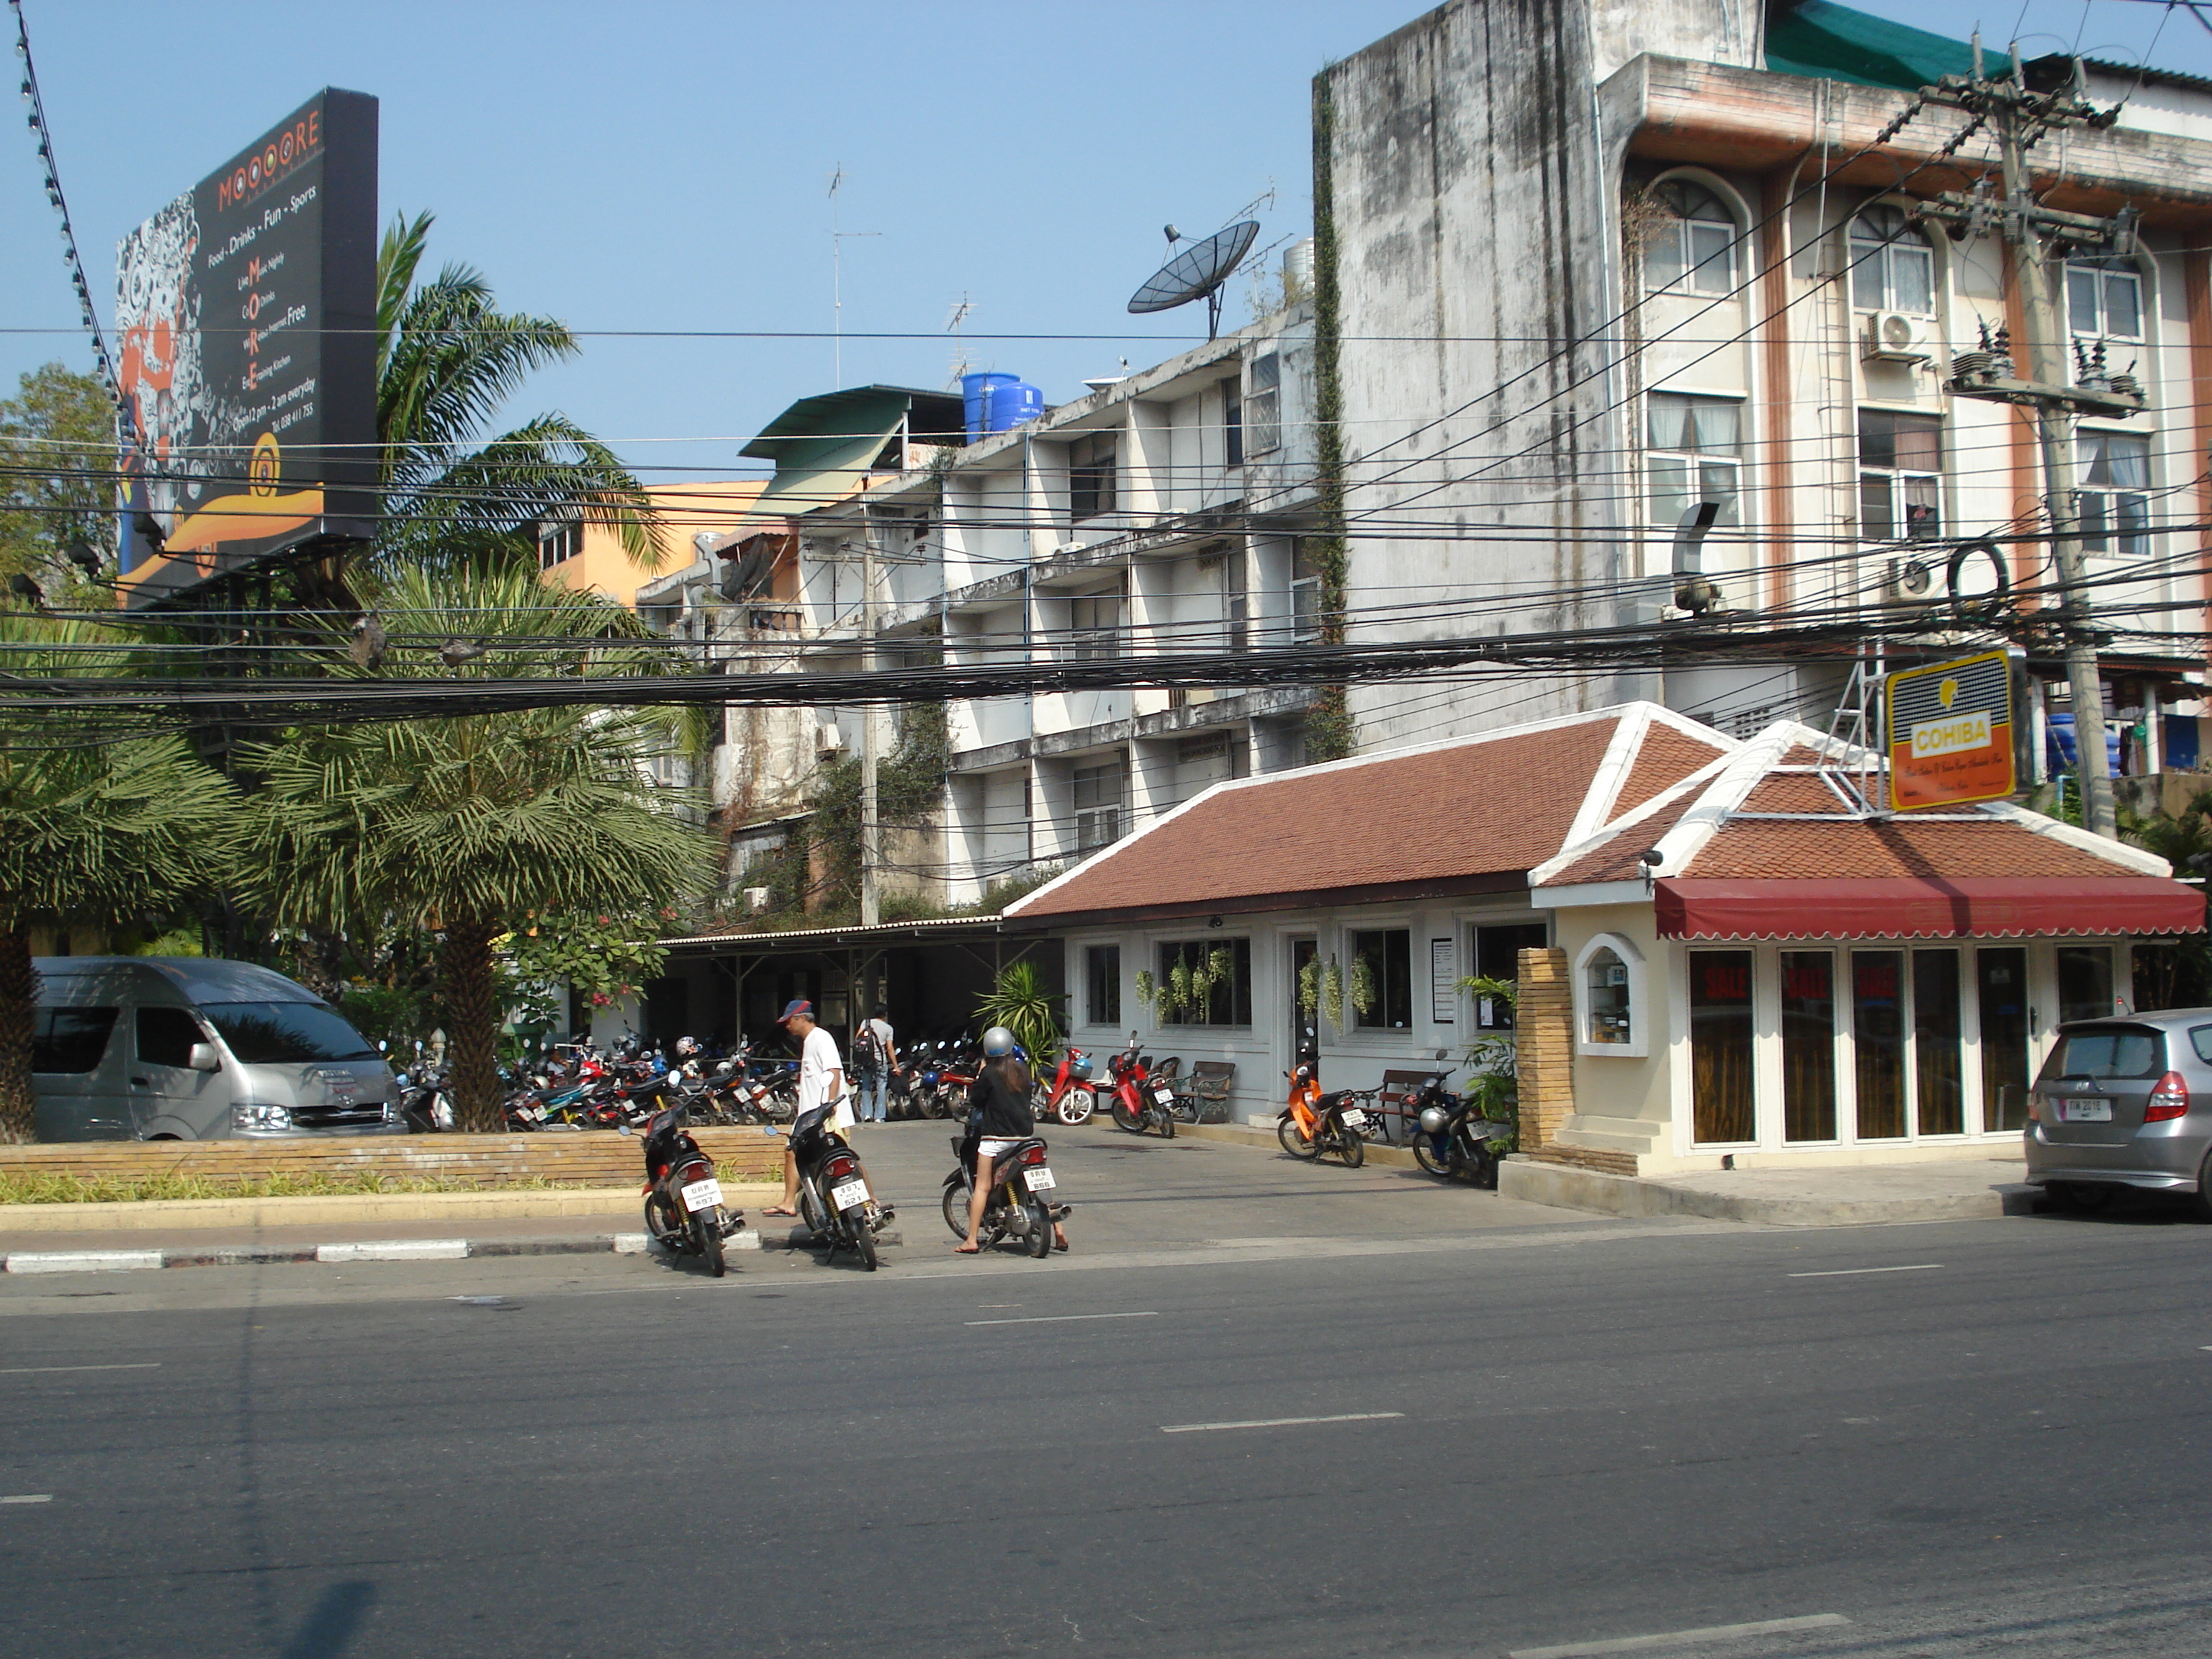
x=246, y=310
x=1950, y=733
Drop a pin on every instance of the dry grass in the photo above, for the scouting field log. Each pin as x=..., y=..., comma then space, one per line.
x=22, y=1186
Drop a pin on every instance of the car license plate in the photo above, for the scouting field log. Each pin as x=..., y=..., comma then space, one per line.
x=2092, y=1110
x=702, y=1195
x=1354, y=1118
x=1164, y=1095
x=845, y=1197
x=1039, y=1177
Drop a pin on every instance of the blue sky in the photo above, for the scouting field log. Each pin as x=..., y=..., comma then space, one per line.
x=662, y=165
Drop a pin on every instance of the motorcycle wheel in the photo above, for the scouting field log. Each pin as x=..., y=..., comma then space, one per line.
x=1040, y=1238
x=707, y=1229
x=655, y=1223
x=1425, y=1155
x=1351, y=1148
x=956, y=1208
x=864, y=1236
x=1040, y=1097
x=1126, y=1119
x=1294, y=1140
x=1167, y=1125
x=1077, y=1105
x=1484, y=1171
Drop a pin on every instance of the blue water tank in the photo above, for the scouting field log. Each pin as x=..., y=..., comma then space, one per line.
x=995, y=402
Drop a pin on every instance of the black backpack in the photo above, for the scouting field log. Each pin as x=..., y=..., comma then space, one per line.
x=867, y=1049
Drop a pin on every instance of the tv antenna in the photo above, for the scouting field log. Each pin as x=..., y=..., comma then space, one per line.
x=961, y=308
x=837, y=279
x=1197, y=273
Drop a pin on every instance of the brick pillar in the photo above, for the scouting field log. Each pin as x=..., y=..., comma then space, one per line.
x=1544, y=1058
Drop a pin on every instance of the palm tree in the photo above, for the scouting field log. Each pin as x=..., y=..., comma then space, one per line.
x=96, y=826
x=446, y=361
x=469, y=825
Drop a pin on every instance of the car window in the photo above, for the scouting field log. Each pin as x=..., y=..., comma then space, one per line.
x=2200, y=1038
x=166, y=1036
x=280, y=1033
x=67, y=1039
x=2114, y=1051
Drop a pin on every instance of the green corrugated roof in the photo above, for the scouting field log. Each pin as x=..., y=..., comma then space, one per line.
x=1828, y=42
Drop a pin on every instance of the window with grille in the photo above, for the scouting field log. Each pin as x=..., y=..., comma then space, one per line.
x=559, y=543
x=1893, y=263
x=1091, y=476
x=1263, y=405
x=1305, y=596
x=1692, y=248
x=1098, y=799
x=1900, y=477
x=2114, y=500
x=1232, y=424
x=2104, y=298
x=1693, y=455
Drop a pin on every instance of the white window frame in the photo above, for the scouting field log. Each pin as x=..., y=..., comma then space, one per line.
x=1638, y=1046
x=1901, y=480
x=1263, y=404
x=2097, y=291
x=1692, y=257
x=1694, y=463
x=1873, y=256
x=2113, y=502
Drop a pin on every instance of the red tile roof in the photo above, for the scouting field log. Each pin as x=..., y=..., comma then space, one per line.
x=1621, y=858
x=1663, y=759
x=1783, y=851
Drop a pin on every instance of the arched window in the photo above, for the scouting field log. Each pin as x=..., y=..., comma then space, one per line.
x=1611, y=1014
x=2104, y=298
x=1692, y=248
x=1893, y=263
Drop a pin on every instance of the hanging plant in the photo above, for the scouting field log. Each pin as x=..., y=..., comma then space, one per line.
x=1148, y=992
x=1332, y=993
x=1363, y=985
x=1178, y=998
x=1310, y=987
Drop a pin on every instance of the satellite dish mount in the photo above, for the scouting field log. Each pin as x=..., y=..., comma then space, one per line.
x=1197, y=273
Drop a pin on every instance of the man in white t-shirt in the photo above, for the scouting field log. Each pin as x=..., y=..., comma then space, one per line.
x=821, y=1083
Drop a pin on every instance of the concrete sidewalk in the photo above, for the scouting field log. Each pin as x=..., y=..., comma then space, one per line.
x=1859, y=1195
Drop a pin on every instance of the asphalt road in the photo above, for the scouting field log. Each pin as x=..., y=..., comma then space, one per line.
x=1533, y=1429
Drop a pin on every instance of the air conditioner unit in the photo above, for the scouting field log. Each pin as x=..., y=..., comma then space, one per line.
x=756, y=899
x=828, y=740
x=1068, y=550
x=1896, y=336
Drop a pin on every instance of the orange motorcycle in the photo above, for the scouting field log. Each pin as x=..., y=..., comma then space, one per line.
x=1314, y=1123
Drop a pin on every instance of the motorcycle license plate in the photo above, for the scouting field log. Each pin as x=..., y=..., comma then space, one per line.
x=702, y=1194
x=1164, y=1095
x=1039, y=1178
x=845, y=1197
x=1354, y=1118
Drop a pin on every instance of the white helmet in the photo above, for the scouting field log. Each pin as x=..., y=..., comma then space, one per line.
x=686, y=1047
x=998, y=1043
x=1434, y=1119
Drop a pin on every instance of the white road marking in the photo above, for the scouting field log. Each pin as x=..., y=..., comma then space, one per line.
x=36, y=1371
x=398, y=1249
x=29, y=1498
x=1845, y=1272
x=1061, y=1319
x=82, y=1262
x=1682, y=1638
x=1277, y=1422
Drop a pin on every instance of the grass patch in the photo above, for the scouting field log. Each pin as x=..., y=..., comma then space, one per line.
x=27, y=1186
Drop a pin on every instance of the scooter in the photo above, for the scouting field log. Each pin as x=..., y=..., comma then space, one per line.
x=682, y=1198
x=1454, y=1140
x=1313, y=1123
x=834, y=1199
x=1139, y=1103
x=1068, y=1096
x=1021, y=1204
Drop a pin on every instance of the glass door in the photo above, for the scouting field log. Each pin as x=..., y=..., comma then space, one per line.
x=1304, y=1009
x=2001, y=994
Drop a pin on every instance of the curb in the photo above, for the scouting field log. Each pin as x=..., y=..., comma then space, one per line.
x=342, y=1210
x=390, y=1249
x=1566, y=1186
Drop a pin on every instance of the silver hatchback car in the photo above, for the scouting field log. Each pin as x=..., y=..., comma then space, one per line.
x=2125, y=1102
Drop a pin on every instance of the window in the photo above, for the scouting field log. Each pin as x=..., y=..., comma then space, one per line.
x=1382, y=969
x=1692, y=245
x=166, y=1036
x=1091, y=476
x=2104, y=298
x=1098, y=805
x=1900, y=477
x=70, y=1040
x=1094, y=627
x=1101, y=979
x=1263, y=405
x=286, y=1033
x=559, y=543
x=2085, y=981
x=1693, y=456
x=1305, y=596
x=2001, y=988
x=1236, y=601
x=1808, y=1045
x=1608, y=1010
x=1878, y=1041
x=1940, y=1084
x=2119, y=1051
x=1497, y=955
x=1720, y=1047
x=1893, y=263
x=2113, y=502
x=1215, y=982
x=1232, y=424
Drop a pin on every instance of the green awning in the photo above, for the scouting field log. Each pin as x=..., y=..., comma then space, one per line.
x=1828, y=42
x=822, y=448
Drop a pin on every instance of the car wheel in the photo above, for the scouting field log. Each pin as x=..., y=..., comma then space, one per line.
x=2200, y=1206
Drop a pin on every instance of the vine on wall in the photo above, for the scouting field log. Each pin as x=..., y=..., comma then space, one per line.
x=1329, y=734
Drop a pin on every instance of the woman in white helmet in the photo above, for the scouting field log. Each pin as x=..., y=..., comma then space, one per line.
x=1000, y=1096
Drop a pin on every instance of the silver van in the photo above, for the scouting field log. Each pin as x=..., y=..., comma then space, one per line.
x=194, y=1048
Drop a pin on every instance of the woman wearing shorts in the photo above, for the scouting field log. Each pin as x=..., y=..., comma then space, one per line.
x=1001, y=1096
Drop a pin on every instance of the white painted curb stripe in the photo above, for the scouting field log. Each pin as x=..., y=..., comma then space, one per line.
x=398, y=1249
x=82, y=1262
x=1683, y=1637
x=638, y=1243
x=1060, y=1319
x=29, y=1498
x=1846, y=1272
x=1277, y=1422
x=37, y=1371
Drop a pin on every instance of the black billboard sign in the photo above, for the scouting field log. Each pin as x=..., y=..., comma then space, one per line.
x=246, y=310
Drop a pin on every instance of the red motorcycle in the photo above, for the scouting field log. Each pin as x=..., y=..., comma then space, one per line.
x=1140, y=1101
x=1067, y=1095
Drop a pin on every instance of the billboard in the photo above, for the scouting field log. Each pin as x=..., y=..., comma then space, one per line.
x=246, y=311
x=1950, y=731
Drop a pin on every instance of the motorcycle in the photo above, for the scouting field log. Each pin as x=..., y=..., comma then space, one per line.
x=683, y=1197
x=1454, y=1140
x=1068, y=1095
x=834, y=1199
x=1313, y=1123
x=424, y=1104
x=1138, y=1103
x=1020, y=1205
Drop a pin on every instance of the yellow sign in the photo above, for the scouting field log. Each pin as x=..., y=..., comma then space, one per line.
x=1950, y=733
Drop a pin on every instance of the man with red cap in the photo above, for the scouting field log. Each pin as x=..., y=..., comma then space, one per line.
x=821, y=1083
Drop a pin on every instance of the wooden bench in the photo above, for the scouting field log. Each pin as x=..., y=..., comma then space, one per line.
x=1398, y=1122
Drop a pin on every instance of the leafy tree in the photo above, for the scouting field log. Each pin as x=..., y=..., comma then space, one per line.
x=447, y=361
x=599, y=957
x=2176, y=973
x=96, y=827
x=57, y=467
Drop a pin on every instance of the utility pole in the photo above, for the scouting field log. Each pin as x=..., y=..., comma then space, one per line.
x=2041, y=238
x=870, y=901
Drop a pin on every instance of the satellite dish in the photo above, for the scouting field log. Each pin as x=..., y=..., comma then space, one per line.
x=1198, y=273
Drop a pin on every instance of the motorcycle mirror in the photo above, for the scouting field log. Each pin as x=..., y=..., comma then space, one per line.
x=625, y=1128
x=1440, y=1054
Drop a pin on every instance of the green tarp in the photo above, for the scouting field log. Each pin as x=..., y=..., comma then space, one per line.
x=1827, y=42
